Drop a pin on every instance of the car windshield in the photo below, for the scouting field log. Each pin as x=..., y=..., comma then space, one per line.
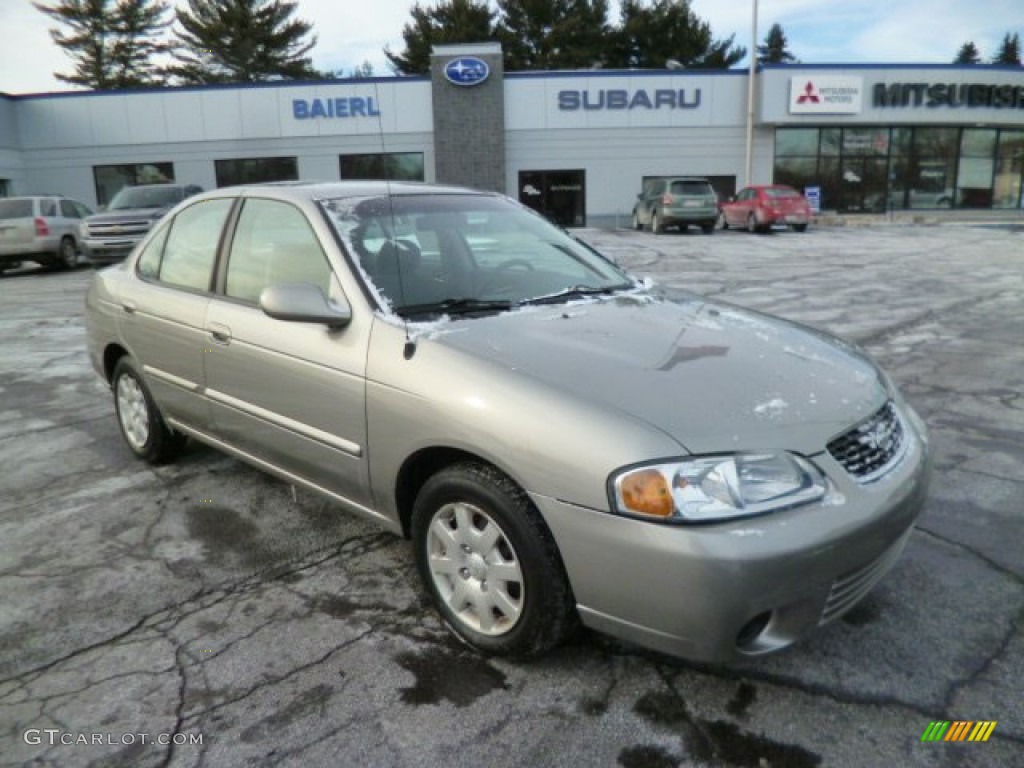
x=145, y=197
x=454, y=253
x=15, y=209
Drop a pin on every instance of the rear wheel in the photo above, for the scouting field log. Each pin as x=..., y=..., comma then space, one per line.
x=656, y=226
x=636, y=221
x=708, y=227
x=490, y=563
x=722, y=221
x=142, y=426
x=752, y=225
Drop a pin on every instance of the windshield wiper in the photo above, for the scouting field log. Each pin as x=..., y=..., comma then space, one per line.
x=460, y=306
x=575, y=292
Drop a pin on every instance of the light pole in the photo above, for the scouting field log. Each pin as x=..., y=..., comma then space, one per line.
x=750, y=97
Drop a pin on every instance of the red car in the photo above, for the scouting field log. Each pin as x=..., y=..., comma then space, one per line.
x=760, y=207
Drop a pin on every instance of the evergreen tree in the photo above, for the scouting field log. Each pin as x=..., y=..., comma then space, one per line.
x=447, y=21
x=1009, y=51
x=242, y=41
x=968, y=54
x=553, y=34
x=113, y=44
x=775, y=49
x=650, y=35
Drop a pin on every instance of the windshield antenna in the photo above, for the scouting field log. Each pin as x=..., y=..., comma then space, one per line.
x=410, y=346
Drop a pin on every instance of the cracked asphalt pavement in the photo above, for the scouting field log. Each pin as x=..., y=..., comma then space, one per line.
x=210, y=602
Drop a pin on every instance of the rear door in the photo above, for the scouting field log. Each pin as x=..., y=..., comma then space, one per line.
x=288, y=393
x=163, y=314
x=17, y=227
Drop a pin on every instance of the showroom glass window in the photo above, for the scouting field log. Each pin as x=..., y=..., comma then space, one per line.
x=796, y=157
x=390, y=166
x=976, y=168
x=191, y=245
x=255, y=170
x=1007, y=189
x=110, y=178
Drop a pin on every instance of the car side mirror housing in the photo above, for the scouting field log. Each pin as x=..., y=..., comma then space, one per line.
x=304, y=303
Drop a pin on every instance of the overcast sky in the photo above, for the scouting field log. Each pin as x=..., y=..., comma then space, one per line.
x=819, y=31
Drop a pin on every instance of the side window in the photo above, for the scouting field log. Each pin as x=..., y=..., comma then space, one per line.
x=274, y=243
x=47, y=207
x=83, y=210
x=68, y=210
x=191, y=246
x=148, y=265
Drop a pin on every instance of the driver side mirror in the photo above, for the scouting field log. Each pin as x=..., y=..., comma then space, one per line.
x=304, y=303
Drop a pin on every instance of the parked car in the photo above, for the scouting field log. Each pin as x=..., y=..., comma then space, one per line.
x=111, y=235
x=560, y=440
x=676, y=202
x=761, y=207
x=40, y=228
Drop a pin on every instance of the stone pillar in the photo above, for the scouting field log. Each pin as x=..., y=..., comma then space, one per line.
x=469, y=118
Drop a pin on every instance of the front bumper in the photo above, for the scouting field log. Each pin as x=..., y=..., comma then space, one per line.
x=107, y=251
x=720, y=592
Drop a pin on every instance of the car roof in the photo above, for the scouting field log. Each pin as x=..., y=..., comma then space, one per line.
x=326, y=190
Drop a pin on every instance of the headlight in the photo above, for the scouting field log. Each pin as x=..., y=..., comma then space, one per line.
x=716, y=488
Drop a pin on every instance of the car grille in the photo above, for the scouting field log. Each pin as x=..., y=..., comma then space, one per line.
x=848, y=589
x=871, y=448
x=121, y=229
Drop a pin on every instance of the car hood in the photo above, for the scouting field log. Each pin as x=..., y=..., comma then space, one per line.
x=128, y=214
x=714, y=377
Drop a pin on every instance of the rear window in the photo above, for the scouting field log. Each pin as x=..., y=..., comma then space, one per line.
x=691, y=188
x=781, y=192
x=15, y=209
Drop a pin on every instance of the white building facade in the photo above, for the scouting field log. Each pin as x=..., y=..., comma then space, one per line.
x=576, y=145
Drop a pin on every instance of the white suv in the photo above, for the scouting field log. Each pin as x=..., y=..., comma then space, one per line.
x=40, y=228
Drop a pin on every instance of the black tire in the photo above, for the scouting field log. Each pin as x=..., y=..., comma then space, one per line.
x=158, y=444
x=799, y=227
x=636, y=221
x=708, y=227
x=656, y=226
x=722, y=221
x=752, y=224
x=459, y=504
x=67, y=254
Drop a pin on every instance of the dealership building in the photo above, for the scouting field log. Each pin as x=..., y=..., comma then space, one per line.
x=576, y=145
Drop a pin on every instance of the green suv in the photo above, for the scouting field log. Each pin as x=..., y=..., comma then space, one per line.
x=676, y=202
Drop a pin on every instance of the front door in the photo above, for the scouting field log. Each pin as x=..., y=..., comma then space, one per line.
x=288, y=393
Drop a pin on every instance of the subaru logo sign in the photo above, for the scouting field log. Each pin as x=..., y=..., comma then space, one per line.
x=468, y=70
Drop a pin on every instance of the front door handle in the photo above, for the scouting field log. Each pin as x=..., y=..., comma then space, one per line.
x=219, y=332
x=128, y=306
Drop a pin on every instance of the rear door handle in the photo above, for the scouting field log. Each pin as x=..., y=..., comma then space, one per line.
x=128, y=306
x=220, y=333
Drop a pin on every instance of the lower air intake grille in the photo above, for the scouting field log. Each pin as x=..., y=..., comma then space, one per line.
x=871, y=448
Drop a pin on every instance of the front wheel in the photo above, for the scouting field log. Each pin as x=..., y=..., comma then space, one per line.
x=142, y=426
x=67, y=254
x=799, y=227
x=490, y=563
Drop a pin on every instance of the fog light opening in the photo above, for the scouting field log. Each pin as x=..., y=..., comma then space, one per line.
x=752, y=630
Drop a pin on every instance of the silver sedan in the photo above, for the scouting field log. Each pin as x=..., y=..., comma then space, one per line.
x=562, y=441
